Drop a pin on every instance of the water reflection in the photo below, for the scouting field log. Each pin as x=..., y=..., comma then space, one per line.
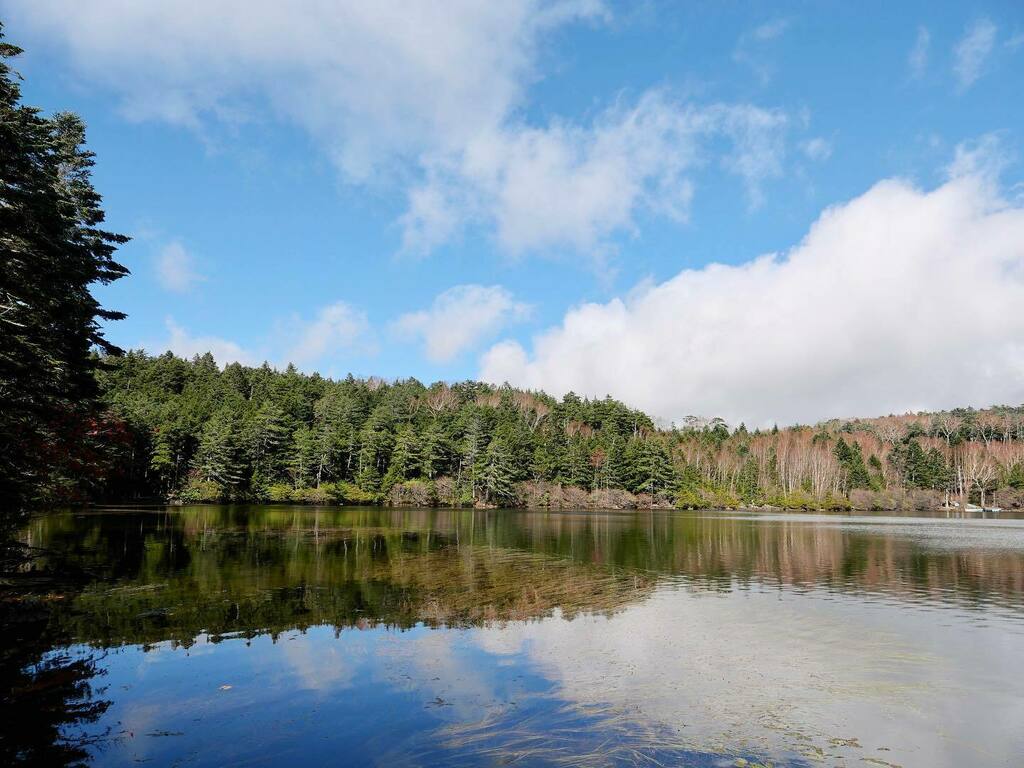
x=544, y=638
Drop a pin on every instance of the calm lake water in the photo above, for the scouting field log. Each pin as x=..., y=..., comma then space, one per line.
x=274, y=636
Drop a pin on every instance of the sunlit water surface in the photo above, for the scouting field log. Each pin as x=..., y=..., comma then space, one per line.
x=291, y=635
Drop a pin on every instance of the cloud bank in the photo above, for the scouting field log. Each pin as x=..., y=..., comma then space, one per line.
x=899, y=299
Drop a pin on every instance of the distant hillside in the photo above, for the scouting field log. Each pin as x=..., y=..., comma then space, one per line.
x=188, y=431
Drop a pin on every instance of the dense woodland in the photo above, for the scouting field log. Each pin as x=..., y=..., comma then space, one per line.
x=189, y=431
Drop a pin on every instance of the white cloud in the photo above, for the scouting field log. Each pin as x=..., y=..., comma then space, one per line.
x=984, y=158
x=336, y=327
x=751, y=49
x=817, y=148
x=917, y=60
x=371, y=80
x=972, y=50
x=425, y=96
x=770, y=30
x=574, y=186
x=460, y=318
x=899, y=299
x=183, y=344
x=175, y=268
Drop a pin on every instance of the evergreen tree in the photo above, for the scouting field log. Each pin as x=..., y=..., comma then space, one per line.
x=650, y=466
x=434, y=450
x=498, y=475
x=578, y=470
x=264, y=439
x=405, y=458
x=616, y=469
x=162, y=462
x=53, y=250
x=217, y=457
x=303, y=460
x=472, y=453
x=851, y=460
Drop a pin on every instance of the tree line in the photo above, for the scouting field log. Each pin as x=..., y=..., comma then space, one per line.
x=189, y=431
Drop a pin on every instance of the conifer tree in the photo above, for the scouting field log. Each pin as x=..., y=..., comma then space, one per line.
x=264, y=438
x=303, y=457
x=217, y=457
x=53, y=250
x=498, y=473
x=405, y=458
x=434, y=450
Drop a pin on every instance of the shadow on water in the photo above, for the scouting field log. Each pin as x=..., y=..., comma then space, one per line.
x=48, y=694
x=172, y=579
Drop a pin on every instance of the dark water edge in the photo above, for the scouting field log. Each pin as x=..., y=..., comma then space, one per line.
x=269, y=635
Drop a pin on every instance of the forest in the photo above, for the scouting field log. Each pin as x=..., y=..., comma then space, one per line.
x=188, y=431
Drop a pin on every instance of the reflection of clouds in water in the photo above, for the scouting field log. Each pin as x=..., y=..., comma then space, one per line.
x=447, y=671
x=955, y=535
x=319, y=666
x=949, y=533
x=770, y=670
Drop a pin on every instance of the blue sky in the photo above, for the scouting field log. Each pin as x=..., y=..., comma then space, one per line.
x=309, y=184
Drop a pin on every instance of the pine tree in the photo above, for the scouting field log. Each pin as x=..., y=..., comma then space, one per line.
x=616, y=470
x=851, y=460
x=263, y=439
x=472, y=453
x=303, y=460
x=53, y=250
x=578, y=470
x=545, y=463
x=650, y=465
x=375, y=443
x=434, y=450
x=162, y=462
x=217, y=457
x=405, y=458
x=498, y=473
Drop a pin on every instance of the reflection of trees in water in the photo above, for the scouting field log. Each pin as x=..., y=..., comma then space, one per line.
x=275, y=573
x=716, y=552
x=252, y=570
x=46, y=697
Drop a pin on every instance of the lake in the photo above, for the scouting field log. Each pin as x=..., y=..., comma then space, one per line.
x=273, y=636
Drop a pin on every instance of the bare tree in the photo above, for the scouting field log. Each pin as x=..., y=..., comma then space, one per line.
x=947, y=425
x=977, y=469
x=889, y=429
x=441, y=398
